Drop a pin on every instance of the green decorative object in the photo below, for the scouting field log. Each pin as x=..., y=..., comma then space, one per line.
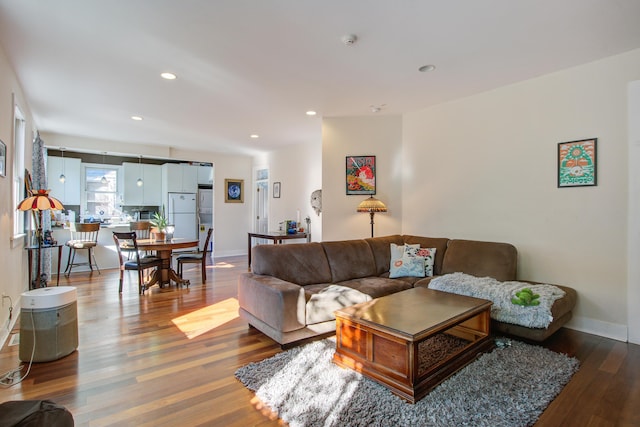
x=526, y=297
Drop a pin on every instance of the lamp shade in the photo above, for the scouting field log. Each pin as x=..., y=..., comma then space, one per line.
x=39, y=201
x=371, y=205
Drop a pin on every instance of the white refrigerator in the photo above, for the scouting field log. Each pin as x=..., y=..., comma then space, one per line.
x=182, y=213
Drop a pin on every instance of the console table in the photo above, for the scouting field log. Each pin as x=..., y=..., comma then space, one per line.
x=276, y=236
x=38, y=250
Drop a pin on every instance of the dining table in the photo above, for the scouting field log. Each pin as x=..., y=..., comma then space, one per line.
x=163, y=249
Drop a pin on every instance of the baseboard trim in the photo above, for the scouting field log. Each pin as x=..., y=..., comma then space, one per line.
x=613, y=331
x=226, y=254
x=6, y=331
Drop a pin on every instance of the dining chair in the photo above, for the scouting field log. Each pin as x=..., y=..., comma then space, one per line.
x=126, y=243
x=83, y=236
x=141, y=228
x=199, y=257
x=143, y=231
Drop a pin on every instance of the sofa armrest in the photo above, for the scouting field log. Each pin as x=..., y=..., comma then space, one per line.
x=278, y=303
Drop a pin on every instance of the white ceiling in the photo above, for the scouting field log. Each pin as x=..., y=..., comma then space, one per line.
x=256, y=66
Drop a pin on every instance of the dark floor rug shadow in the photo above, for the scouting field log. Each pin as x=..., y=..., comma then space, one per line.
x=511, y=386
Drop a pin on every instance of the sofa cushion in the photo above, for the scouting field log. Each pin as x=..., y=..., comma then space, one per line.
x=405, y=262
x=377, y=287
x=439, y=243
x=397, y=267
x=349, y=259
x=427, y=255
x=321, y=305
x=300, y=263
x=480, y=259
x=380, y=248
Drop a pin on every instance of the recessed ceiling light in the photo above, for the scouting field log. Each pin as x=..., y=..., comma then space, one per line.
x=254, y=136
x=136, y=118
x=168, y=76
x=427, y=68
x=311, y=113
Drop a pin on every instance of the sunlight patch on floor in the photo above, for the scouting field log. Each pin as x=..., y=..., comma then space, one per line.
x=223, y=264
x=204, y=320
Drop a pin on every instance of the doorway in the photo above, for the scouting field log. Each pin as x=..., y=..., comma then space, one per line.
x=261, y=224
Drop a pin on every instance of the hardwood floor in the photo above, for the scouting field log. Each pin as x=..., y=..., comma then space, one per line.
x=167, y=358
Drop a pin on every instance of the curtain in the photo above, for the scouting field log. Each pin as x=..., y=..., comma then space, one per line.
x=39, y=176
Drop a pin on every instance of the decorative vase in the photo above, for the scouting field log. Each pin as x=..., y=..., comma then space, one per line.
x=159, y=236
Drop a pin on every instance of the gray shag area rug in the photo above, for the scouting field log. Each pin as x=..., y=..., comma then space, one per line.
x=510, y=386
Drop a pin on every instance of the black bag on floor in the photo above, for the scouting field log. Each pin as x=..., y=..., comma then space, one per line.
x=34, y=413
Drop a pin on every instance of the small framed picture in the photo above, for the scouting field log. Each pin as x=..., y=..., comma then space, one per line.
x=361, y=175
x=577, y=163
x=276, y=190
x=234, y=190
x=3, y=159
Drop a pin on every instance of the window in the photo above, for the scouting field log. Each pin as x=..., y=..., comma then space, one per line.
x=19, y=134
x=101, y=184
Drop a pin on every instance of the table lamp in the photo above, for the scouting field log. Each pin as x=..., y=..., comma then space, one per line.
x=371, y=205
x=39, y=201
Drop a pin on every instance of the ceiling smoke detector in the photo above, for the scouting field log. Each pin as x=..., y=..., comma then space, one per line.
x=349, y=39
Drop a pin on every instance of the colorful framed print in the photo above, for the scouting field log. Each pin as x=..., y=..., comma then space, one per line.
x=577, y=163
x=234, y=190
x=3, y=159
x=361, y=175
x=276, y=190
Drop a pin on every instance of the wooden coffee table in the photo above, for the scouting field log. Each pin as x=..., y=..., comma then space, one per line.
x=380, y=338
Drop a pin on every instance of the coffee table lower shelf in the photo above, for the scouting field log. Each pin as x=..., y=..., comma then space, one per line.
x=393, y=359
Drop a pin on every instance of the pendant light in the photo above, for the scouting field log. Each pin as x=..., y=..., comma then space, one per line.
x=139, y=182
x=62, y=178
x=103, y=180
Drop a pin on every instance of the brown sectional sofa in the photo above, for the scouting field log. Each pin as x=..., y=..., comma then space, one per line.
x=293, y=289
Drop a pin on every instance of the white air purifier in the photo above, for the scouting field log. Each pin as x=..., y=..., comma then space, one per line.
x=48, y=323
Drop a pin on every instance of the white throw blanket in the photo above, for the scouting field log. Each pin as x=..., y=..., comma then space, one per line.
x=500, y=293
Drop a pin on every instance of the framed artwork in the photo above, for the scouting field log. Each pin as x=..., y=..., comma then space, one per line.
x=3, y=159
x=361, y=175
x=276, y=190
x=577, y=163
x=234, y=190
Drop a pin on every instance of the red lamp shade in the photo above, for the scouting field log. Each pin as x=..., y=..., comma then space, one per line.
x=40, y=201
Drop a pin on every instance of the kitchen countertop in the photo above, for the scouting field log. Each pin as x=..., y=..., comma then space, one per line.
x=104, y=225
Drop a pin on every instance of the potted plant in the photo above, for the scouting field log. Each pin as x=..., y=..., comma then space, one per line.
x=159, y=225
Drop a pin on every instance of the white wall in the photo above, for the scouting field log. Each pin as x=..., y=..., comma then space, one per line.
x=379, y=136
x=232, y=220
x=484, y=167
x=13, y=262
x=299, y=170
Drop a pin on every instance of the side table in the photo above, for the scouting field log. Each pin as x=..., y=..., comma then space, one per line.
x=37, y=249
x=277, y=237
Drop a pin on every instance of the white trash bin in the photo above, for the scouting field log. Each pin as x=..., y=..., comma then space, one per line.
x=48, y=322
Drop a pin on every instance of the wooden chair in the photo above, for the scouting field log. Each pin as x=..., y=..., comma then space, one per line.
x=83, y=236
x=143, y=231
x=124, y=242
x=199, y=257
x=141, y=228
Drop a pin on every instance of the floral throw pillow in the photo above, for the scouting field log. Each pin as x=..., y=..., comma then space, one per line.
x=428, y=254
x=403, y=265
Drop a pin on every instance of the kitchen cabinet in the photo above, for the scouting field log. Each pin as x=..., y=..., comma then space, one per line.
x=179, y=178
x=205, y=175
x=68, y=192
x=150, y=193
